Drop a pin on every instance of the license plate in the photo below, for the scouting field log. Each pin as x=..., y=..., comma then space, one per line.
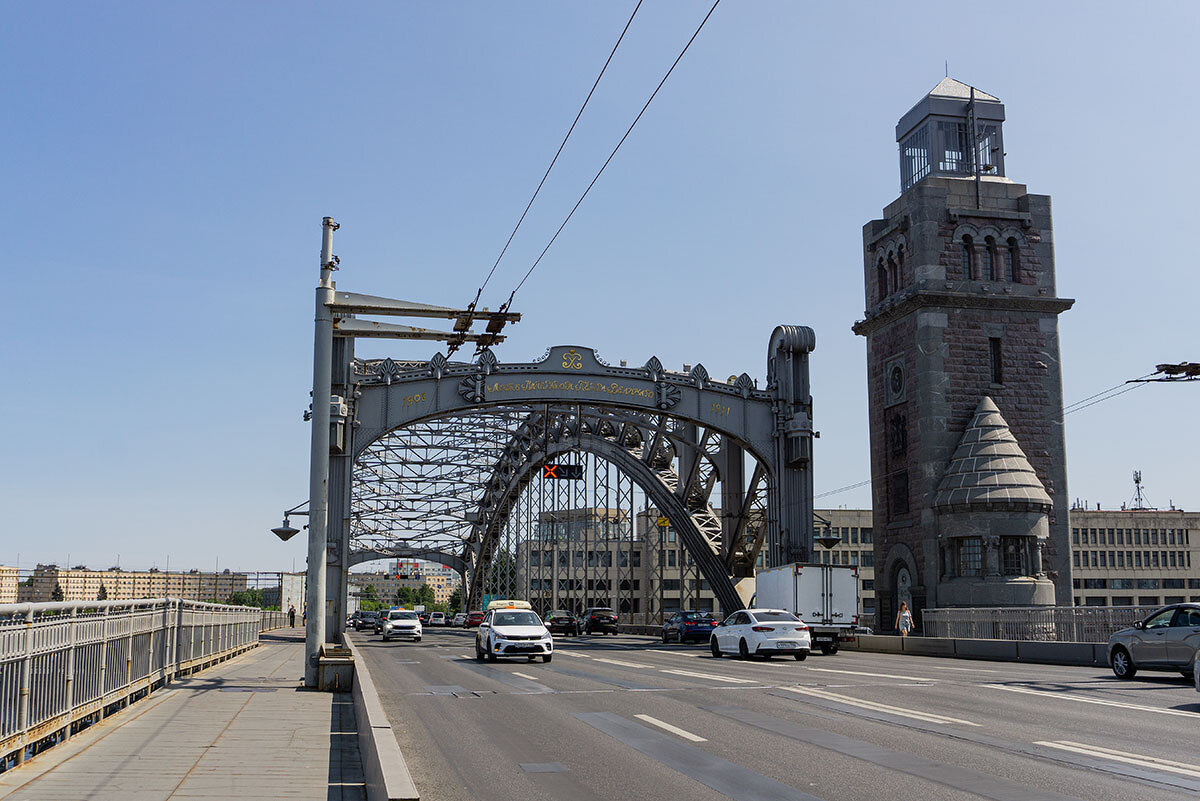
x=822, y=639
x=785, y=645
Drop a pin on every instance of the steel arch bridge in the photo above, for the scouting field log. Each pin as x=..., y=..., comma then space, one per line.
x=438, y=459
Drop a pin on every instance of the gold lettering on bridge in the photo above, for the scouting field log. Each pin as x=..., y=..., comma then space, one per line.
x=580, y=385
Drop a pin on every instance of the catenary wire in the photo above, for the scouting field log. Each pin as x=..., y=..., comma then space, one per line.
x=611, y=155
x=557, y=153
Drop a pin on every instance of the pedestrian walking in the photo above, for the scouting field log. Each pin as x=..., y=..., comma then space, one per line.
x=304, y=615
x=904, y=620
x=292, y=616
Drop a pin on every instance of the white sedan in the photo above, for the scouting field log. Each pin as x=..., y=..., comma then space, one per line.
x=512, y=632
x=762, y=632
x=402, y=623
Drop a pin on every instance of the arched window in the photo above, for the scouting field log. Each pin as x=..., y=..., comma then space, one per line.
x=900, y=263
x=881, y=279
x=991, y=259
x=1013, y=260
x=893, y=274
x=968, y=258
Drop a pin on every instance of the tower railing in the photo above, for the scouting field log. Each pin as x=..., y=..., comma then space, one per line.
x=65, y=665
x=1094, y=624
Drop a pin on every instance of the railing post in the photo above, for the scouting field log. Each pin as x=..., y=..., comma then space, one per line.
x=103, y=657
x=71, y=636
x=26, y=682
x=131, y=612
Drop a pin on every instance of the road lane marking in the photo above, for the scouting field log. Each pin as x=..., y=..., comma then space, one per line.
x=619, y=662
x=969, y=670
x=687, y=735
x=928, y=717
x=1083, y=700
x=525, y=676
x=1141, y=761
x=876, y=675
x=729, y=679
x=577, y=656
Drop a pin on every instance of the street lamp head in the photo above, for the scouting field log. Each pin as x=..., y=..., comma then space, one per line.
x=285, y=532
x=827, y=541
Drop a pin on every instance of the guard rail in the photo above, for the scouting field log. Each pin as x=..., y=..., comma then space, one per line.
x=1092, y=624
x=65, y=665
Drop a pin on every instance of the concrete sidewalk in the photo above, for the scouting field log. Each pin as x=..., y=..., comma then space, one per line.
x=243, y=729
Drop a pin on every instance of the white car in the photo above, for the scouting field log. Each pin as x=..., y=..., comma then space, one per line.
x=437, y=619
x=402, y=623
x=762, y=632
x=513, y=632
x=460, y=619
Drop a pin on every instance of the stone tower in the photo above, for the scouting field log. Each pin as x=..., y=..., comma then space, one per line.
x=968, y=463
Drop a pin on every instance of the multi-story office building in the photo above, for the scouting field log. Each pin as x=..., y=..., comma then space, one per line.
x=82, y=584
x=408, y=574
x=1135, y=557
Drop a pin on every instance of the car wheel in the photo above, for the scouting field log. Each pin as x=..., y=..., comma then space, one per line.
x=531, y=657
x=545, y=658
x=800, y=656
x=491, y=655
x=416, y=639
x=716, y=649
x=664, y=637
x=479, y=657
x=743, y=650
x=1122, y=664
x=613, y=633
x=829, y=650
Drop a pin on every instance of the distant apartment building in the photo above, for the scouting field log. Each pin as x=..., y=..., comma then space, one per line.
x=1134, y=557
x=408, y=574
x=83, y=584
x=8, y=585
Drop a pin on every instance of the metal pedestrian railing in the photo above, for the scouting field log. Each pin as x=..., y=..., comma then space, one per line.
x=1043, y=623
x=65, y=665
x=273, y=619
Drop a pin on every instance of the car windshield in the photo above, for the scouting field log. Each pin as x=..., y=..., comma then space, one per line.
x=603, y=612
x=560, y=613
x=516, y=619
x=402, y=616
x=765, y=616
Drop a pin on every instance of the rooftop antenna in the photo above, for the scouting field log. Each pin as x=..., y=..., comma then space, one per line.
x=947, y=68
x=1139, y=500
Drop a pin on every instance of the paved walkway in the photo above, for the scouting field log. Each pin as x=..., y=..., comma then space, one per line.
x=243, y=729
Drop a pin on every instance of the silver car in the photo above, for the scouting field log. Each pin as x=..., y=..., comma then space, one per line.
x=1169, y=639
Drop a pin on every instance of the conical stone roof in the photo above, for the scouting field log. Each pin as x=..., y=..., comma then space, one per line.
x=989, y=469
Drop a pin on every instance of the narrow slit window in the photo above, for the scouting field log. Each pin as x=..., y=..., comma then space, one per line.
x=991, y=262
x=1014, y=260
x=968, y=259
x=996, y=360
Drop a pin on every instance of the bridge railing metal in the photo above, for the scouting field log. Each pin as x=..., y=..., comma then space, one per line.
x=65, y=665
x=1092, y=624
x=273, y=619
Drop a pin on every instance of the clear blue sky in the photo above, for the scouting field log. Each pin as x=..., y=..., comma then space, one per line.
x=166, y=167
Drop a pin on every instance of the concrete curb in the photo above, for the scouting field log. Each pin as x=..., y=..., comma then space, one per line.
x=1084, y=654
x=384, y=768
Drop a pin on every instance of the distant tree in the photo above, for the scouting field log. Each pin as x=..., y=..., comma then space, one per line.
x=103, y=594
x=57, y=594
x=425, y=596
x=251, y=597
x=369, y=593
x=456, y=598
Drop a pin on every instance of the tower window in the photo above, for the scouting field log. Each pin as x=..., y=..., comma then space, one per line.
x=991, y=259
x=970, y=556
x=968, y=258
x=1013, y=551
x=1014, y=260
x=881, y=279
x=996, y=361
x=893, y=273
x=899, y=493
x=914, y=158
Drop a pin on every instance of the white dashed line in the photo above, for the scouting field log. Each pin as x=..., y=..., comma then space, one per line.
x=1082, y=700
x=619, y=662
x=687, y=735
x=1124, y=756
x=928, y=717
x=714, y=677
x=577, y=656
x=875, y=675
x=525, y=676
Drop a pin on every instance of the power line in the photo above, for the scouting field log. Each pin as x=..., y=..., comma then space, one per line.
x=557, y=153
x=1068, y=409
x=612, y=154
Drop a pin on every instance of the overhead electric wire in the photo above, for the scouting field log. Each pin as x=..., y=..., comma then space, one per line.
x=612, y=154
x=557, y=153
x=1068, y=409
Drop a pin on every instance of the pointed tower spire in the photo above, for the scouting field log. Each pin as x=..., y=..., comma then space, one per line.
x=989, y=470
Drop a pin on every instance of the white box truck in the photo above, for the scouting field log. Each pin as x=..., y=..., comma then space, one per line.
x=823, y=596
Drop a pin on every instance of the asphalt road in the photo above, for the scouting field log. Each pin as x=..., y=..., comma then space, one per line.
x=627, y=717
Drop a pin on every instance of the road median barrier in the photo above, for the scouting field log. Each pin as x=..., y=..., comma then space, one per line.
x=1083, y=654
x=384, y=769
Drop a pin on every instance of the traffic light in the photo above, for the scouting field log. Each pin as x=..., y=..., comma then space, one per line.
x=562, y=472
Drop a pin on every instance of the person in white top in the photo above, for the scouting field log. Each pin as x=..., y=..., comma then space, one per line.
x=904, y=620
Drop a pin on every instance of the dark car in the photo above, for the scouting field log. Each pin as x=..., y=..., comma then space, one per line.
x=689, y=626
x=561, y=621
x=424, y=617
x=599, y=618
x=366, y=620
x=474, y=618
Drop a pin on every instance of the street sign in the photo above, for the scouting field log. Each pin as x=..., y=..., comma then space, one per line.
x=562, y=472
x=663, y=522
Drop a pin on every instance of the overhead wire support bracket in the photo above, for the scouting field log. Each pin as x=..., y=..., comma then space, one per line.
x=352, y=303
